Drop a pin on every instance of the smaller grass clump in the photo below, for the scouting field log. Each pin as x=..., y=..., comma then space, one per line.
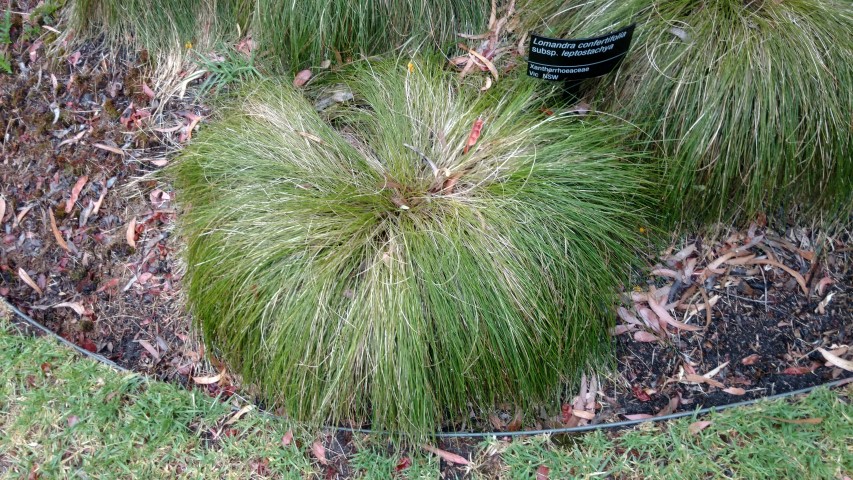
x=304, y=33
x=750, y=100
x=290, y=35
x=377, y=264
x=162, y=26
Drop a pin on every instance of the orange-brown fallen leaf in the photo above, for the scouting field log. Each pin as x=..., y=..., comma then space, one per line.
x=476, y=128
x=735, y=391
x=246, y=409
x=75, y=192
x=701, y=379
x=799, y=278
x=319, y=452
x=643, y=336
x=797, y=370
x=543, y=473
x=108, y=148
x=836, y=360
x=287, y=438
x=750, y=360
x=130, y=234
x=449, y=457
x=639, y=416
x=302, y=78
x=697, y=427
x=208, y=380
x=56, y=233
x=78, y=308
x=29, y=281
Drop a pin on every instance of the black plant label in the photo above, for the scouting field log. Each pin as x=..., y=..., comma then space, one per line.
x=560, y=59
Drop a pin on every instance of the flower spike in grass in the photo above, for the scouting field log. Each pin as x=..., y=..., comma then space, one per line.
x=361, y=267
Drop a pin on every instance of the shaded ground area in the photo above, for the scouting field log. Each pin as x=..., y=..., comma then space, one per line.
x=86, y=250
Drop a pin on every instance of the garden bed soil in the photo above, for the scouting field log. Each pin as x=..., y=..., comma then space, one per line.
x=87, y=251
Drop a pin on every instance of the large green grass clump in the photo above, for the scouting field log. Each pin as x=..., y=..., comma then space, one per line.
x=750, y=100
x=362, y=267
x=289, y=34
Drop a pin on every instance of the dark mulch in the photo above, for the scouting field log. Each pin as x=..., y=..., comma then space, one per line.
x=58, y=104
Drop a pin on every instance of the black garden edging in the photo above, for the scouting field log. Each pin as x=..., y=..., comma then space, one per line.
x=550, y=431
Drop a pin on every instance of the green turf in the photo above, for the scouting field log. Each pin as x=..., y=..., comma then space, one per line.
x=130, y=428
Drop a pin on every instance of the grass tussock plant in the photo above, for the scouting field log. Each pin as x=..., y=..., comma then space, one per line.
x=162, y=26
x=290, y=35
x=750, y=100
x=305, y=33
x=376, y=266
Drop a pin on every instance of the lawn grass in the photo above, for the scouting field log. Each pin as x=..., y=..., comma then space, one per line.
x=367, y=266
x=128, y=427
x=750, y=102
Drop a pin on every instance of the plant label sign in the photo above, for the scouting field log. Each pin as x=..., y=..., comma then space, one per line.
x=559, y=59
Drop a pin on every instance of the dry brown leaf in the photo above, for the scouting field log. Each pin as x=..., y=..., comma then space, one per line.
x=639, y=416
x=24, y=211
x=796, y=421
x=627, y=316
x=836, y=360
x=735, y=391
x=319, y=452
x=147, y=91
x=29, y=281
x=131, y=233
x=287, y=438
x=799, y=278
x=750, y=360
x=75, y=192
x=714, y=266
x=447, y=456
x=56, y=233
x=543, y=472
x=670, y=407
x=78, y=308
x=666, y=317
x=2, y=208
x=246, y=409
x=302, y=78
x=643, y=336
x=821, y=285
x=208, y=380
x=821, y=307
x=100, y=201
x=108, y=148
x=485, y=61
x=583, y=414
x=684, y=253
x=150, y=349
x=666, y=272
x=620, y=329
x=697, y=427
x=741, y=260
x=515, y=424
x=701, y=379
x=716, y=370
